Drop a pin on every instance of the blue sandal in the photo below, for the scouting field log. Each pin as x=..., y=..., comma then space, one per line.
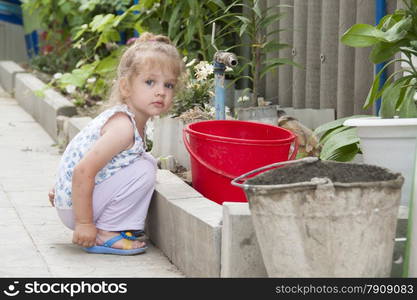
x=106, y=248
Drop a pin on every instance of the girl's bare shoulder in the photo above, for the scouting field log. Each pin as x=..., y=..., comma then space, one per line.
x=119, y=121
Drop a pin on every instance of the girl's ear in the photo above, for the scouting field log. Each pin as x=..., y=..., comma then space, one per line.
x=124, y=87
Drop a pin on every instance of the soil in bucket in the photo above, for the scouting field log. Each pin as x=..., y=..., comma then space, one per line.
x=325, y=219
x=344, y=173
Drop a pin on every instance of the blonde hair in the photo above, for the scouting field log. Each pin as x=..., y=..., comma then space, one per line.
x=147, y=51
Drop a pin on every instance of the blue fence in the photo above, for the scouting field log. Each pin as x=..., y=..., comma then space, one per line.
x=11, y=12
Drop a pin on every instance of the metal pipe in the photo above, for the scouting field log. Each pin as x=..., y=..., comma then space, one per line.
x=380, y=12
x=221, y=60
x=218, y=70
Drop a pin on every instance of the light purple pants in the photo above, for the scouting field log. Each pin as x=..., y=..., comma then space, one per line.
x=121, y=201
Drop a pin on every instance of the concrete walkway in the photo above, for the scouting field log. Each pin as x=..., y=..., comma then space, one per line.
x=34, y=243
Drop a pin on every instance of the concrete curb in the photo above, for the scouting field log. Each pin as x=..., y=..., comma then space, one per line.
x=8, y=71
x=44, y=104
x=241, y=255
x=187, y=227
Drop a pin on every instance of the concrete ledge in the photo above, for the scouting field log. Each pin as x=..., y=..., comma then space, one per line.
x=185, y=226
x=8, y=69
x=241, y=255
x=25, y=90
x=75, y=125
x=45, y=105
x=168, y=140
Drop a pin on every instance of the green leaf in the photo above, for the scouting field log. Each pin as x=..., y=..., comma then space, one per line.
x=405, y=88
x=174, y=19
x=244, y=20
x=106, y=65
x=99, y=87
x=345, y=153
x=97, y=20
x=383, y=51
x=274, y=46
x=391, y=95
x=385, y=23
x=344, y=138
x=234, y=4
x=119, y=19
x=334, y=124
x=225, y=16
x=362, y=35
x=106, y=22
x=399, y=30
x=274, y=32
x=408, y=50
x=80, y=32
x=243, y=29
x=408, y=108
x=373, y=91
x=136, y=7
x=256, y=9
x=330, y=133
x=276, y=6
x=78, y=76
x=219, y=3
x=275, y=62
x=265, y=22
x=138, y=27
x=66, y=8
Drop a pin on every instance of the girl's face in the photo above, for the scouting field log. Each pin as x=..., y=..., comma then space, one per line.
x=150, y=93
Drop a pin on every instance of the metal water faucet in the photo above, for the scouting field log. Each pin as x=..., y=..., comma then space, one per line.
x=222, y=59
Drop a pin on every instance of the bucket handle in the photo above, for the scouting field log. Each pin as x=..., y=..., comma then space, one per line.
x=220, y=172
x=242, y=177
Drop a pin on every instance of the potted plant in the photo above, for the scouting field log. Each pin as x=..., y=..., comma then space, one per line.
x=388, y=140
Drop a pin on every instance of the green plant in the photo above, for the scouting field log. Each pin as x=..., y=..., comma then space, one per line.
x=98, y=42
x=58, y=19
x=247, y=18
x=338, y=142
x=395, y=34
x=184, y=22
x=197, y=89
x=79, y=43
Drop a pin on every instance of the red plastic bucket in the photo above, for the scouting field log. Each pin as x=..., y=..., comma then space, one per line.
x=222, y=150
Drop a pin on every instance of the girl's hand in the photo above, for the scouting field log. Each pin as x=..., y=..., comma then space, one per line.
x=84, y=235
x=51, y=196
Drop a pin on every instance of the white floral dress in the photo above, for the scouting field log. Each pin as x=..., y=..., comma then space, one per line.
x=82, y=143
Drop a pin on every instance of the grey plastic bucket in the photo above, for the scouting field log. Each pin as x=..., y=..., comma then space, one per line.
x=321, y=228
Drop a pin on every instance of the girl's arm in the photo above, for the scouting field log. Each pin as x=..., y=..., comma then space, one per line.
x=117, y=135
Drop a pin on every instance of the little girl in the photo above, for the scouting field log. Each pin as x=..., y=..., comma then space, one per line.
x=105, y=179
